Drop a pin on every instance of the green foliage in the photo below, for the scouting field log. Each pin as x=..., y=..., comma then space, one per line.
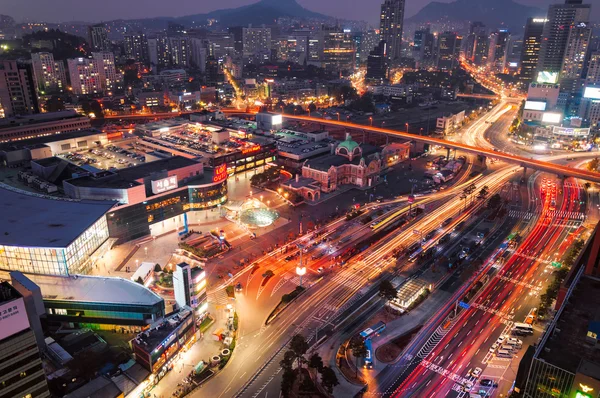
x=387, y=290
x=230, y=290
x=236, y=321
x=197, y=251
x=287, y=382
x=316, y=362
x=157, y=268
x=288, y=360
x=494, y=202
x=329, y=379
x=271, y=174
x=299, y=346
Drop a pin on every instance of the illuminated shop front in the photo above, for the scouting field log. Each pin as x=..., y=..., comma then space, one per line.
x=246, y=158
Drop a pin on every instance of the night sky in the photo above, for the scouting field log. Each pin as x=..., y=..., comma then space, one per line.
x=99, y=10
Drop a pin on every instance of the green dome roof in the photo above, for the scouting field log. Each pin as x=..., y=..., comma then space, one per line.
x=349, y=144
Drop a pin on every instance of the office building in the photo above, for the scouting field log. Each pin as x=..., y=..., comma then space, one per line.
x=377, y=63
x=476, y=28
x=532, y=42
x=592, y=77
x=105, y=64
x=390, y=28
x=17, y=89
x=576, y=56
x=448, y=50
x=21, y=370
x=85, y=76
x=98, y=38
x=189, y=285
x=49, y=75
x=481, y=49
x=256, y=44
x=556, y=32
x=199, y=50
x=136, y=47
x=220, y=44
x=337, y=46
x=365, y=42
x=498, y=50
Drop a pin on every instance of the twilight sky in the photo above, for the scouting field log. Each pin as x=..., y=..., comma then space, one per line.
x=94, y=11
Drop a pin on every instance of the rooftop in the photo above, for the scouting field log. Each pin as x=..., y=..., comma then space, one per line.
x=94, y=289
x=31, y=220
x=145, y=169
x=38, y=118
x=152, y=338
x=567, y=347
x=323, y=163
x=39, y=141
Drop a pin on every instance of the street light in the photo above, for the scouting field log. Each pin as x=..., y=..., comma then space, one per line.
x=338, y=115
x=371, y=120
x=406, y=127
x=300, y=271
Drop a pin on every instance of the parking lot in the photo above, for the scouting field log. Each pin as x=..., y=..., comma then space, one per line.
x=110, y=157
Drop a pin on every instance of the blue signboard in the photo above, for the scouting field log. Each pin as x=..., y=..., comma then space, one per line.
x=464, y=305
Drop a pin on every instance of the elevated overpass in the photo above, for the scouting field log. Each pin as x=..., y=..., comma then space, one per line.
x=561, y=171
x=478, y=96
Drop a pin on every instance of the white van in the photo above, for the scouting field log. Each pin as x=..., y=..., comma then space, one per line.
x=514, y=342
x=504, y=354
x=508, y=348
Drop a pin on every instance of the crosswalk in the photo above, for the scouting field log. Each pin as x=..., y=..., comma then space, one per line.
x=218, y=297
x=527, y=215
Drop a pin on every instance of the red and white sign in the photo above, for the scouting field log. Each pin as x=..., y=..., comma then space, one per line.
x=220, y=173
x=13, y=318
x=254, y=148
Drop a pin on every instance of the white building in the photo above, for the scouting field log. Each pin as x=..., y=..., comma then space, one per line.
x=49, y=75
x=189, y=285
x=85, y=76
x=256, y=42
x=450, y=123
x=109, y=77
x=544, y=92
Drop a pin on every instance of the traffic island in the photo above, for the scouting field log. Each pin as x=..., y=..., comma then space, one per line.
x=286, y=300
x=389, y=352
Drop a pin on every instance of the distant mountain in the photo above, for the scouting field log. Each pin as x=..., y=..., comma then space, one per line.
x=264, y=12
x=494, y=14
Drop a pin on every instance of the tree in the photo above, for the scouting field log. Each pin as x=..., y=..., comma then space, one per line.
x=55, y=104
x=157, y=268
x=288, y=360
x=359, y=349
x=387, y=290
x=312, y=107
x=494, y=202
x=140, y=280
x=287, y=382
x=299, y=346
x=315, y=362
x=483, y=193
x=328, y=379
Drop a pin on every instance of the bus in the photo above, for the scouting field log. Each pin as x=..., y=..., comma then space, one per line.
x=372, y=331
x=522, y=328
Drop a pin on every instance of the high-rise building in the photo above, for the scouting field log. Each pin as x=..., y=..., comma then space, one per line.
x=199, y=49
x=390, y=28
x=21, y=369
x=17, y=89
x=448, y=50
x=49, y=75
x=337, y=49
x=256, y=43
x=556, y=32
x=159, y=51
x=377, y=63
x=476, y=28
x=98, y=36
x=180, y=51
x=498, y=50
x=532, y=41
x=105, y=64
x=85, y=76
x=136, y=47
x=592, y=77
x=576, y=51
x=481, y=48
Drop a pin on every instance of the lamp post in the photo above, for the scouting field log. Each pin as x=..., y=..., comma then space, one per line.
x=301, y=269
x=406, y=127
x=338, y=115
x=371, y=120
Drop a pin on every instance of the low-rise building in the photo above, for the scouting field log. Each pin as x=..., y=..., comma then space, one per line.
x=448, y=124
x=42, y=124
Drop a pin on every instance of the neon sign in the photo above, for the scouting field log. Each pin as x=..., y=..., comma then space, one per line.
x=251, y=149
x=220, y=173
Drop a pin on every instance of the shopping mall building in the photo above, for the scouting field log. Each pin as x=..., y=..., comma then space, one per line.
x=39, y=234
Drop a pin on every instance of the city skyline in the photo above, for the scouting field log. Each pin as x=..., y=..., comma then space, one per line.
x=36, y=10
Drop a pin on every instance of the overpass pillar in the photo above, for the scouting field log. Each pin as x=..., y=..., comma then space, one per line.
x=524, y=171
x=447, y=153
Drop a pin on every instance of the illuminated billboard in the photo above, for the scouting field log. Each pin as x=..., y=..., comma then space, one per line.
x=277, y=119
x=570, y=131
x=550, y=117
x=592, y=92
x=547, y=77
x=220, y=173
x=13, y=318
x=164, y=185
x=535, y=105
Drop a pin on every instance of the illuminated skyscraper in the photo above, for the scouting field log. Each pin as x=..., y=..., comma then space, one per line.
x=391, y=22
x=532, y=42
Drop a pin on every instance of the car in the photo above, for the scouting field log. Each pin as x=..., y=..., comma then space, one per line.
x=501, y=339
x=488, y=383
x=320, y=270
x=476, y=372
x=494, y=347
x=467, y=385
x=238, y=287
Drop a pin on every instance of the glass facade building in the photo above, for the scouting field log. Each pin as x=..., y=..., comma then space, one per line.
x=73, y=259
x=548, y=381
